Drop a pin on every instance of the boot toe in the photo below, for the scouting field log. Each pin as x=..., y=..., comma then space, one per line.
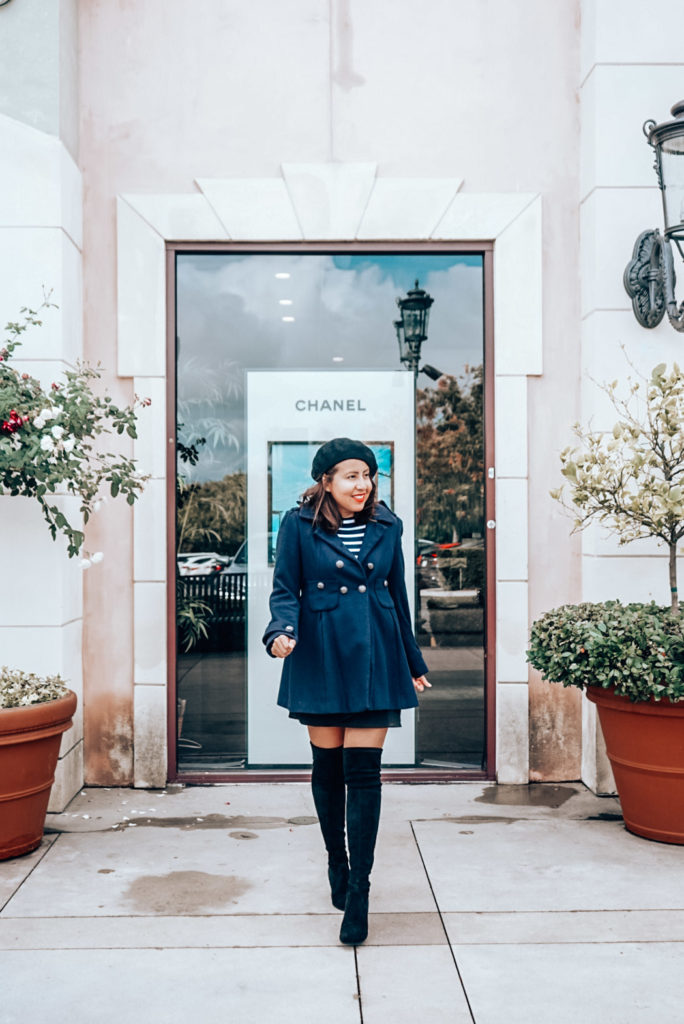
x=354, y=928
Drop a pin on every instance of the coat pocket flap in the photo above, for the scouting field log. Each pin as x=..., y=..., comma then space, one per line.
x=383, y=595
x=322, y=599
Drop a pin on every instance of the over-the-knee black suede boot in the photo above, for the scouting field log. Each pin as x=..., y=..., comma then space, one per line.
x=327, y=786
x=362, y=776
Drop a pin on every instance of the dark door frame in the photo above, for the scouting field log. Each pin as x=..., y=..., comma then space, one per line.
x=486, y=250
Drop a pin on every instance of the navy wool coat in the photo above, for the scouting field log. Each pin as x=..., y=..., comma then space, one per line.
x=355, y=649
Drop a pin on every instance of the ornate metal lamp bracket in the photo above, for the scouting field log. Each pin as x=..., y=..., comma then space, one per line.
x=644, y=279
x=650, y=281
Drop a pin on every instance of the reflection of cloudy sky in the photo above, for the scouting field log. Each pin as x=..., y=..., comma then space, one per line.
x=230, y=320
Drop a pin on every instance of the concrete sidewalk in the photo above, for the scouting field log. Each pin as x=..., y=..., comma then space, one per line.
x=499, y=905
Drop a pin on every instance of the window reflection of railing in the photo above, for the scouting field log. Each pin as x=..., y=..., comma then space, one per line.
x=224, y=594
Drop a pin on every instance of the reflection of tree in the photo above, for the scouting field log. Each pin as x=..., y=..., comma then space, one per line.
x=450, y=457
x=206, y=394
x=211, y=516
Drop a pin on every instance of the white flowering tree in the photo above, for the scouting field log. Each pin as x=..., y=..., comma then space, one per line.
x=631, y=479
x=48, y=439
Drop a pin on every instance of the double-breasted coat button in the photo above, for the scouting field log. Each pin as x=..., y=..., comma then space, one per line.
x=320, y=586
x=362, y=588
x=339, y=564
x=343, y=590
x=370, y=565
x=385, y=582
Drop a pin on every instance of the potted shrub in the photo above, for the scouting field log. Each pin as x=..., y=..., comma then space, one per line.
x=34, y=712
x=49, y=449
x=629, y=659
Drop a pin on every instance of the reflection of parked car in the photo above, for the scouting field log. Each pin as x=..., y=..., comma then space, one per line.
x=239, y=561
x=201, y=563
x=457, y=566
x=431, y=549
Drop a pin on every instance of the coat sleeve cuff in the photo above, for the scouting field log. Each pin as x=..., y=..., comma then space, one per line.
x=275, y=630
x=418, y=667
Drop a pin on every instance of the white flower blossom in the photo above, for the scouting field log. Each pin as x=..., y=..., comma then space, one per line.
x=20, y=689
x=56, y=453
x=96, y=557
x=85, y=563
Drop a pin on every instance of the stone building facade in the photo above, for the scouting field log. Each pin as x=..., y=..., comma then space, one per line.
x=129, y=126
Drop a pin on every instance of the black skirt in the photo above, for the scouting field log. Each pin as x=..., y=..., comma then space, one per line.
x=390, y=719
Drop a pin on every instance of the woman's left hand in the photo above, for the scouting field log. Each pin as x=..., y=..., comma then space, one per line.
x=420, y=683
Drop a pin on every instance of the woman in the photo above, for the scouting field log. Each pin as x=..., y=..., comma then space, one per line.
x=340, y=620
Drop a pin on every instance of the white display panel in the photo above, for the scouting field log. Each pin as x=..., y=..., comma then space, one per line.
x=286, y=411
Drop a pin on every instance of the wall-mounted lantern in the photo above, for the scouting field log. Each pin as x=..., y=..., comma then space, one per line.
x=650, y=275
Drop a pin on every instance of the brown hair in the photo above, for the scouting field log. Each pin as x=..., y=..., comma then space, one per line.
x=326, y=512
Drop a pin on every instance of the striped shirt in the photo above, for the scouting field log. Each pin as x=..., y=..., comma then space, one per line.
x=351, y=534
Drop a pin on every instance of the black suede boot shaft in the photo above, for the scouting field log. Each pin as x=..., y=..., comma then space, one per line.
x=327, y=787
x=362, y=776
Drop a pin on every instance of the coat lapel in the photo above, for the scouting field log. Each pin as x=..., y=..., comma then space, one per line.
x=331, y=539
x=375, y=531
x=334, y=541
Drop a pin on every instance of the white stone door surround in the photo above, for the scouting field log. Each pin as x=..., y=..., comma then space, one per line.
x=332, y=202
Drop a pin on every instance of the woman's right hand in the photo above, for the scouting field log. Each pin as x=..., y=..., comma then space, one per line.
x=282, y=646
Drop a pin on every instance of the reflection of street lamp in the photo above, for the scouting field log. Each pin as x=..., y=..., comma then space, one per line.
x=650, y=276
x=411, y=328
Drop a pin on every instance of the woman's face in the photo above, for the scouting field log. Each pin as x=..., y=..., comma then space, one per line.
x=350, y=486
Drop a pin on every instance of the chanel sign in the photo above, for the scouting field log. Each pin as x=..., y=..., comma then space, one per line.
x=330, y=405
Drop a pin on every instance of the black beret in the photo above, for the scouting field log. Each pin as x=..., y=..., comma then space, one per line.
x=339, y=449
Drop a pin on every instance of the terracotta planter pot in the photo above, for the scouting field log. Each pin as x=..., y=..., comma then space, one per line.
x=29, y=748
x=645, y=744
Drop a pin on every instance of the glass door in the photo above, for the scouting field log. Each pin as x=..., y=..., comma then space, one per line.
x=277, y=352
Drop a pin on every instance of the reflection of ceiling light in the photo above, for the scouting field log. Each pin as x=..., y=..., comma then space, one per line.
x=338, y=359
x=282, y=277
x=287, y=319
x=285, y=302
